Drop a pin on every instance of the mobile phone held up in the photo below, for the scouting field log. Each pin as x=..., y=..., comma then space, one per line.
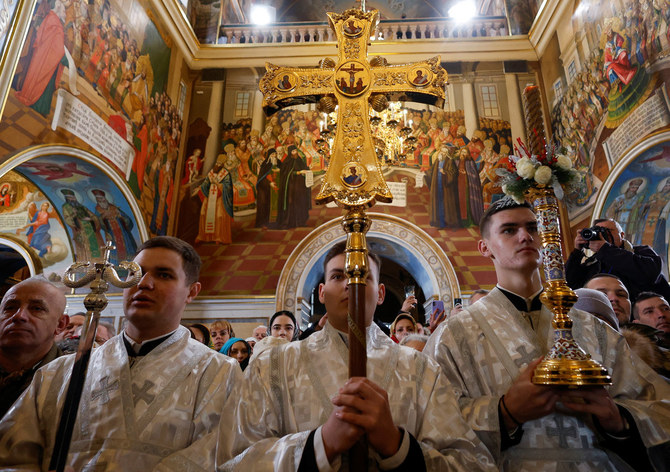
x=458, y=302
x=438, y=307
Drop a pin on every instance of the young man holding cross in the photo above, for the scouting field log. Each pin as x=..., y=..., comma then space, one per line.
x=299, y=412
x=152, y=397
x=489, y=352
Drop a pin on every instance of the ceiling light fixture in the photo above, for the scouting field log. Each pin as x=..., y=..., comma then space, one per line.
x=463, y=11
x=262, y=14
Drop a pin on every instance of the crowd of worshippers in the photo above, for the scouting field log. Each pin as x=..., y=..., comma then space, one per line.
x=456, y=394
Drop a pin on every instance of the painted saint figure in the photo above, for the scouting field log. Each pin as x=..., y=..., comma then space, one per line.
x=294, y=196
x=266, y=189
x=117, y=226
x=45, y=68
x=420, y=79
x=626, y=209
x=353, y=178
x=216, y=213
x=38, y=228
x=85, y=227
x=443, y=182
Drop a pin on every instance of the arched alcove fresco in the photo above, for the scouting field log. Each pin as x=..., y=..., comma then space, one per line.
x=637, y=194
x=63, y=203
x=390, y=237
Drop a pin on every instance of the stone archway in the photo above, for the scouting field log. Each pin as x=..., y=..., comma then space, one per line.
x=390, y=237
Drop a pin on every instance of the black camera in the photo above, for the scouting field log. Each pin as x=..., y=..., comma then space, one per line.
x=593, y=233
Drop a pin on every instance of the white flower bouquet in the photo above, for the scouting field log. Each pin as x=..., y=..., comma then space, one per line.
x=526, y=170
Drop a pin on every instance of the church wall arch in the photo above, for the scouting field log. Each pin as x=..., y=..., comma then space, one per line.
x=643, y=216
x=17, y=249
x=52, y=168
x=390, y=237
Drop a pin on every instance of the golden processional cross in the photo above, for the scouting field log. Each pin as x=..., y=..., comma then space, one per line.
x=354, y=178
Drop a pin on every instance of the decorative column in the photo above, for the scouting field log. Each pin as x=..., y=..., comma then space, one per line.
x=257, y=115
x=470, y=107
x=515, y=110
x=214, y=118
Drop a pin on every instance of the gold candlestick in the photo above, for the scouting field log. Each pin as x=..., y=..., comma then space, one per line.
x=566, y=363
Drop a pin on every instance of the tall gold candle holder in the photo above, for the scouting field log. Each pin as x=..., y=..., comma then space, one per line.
x=566, y=363
x=539, y=177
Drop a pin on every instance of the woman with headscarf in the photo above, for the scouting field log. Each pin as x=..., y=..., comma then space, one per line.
x=284, y=325
x=238, y=349
x=403, y=325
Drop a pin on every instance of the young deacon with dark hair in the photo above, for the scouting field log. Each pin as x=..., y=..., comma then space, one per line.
x=301, y=412
x=489, y=352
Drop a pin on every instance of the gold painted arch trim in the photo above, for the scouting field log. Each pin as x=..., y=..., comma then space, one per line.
x=437, y=274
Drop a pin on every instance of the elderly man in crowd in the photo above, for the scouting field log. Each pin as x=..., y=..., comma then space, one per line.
x=31, y=314
x=153, y=396
x=260, y=332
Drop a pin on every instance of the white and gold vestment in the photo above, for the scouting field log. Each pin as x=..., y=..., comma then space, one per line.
x=287, y=393
x=161, y=414
x=483, y=349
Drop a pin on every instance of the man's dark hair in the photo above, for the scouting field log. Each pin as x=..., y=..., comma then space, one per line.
x=190, y=259
x=604, y=274
x=505, y=203
x=608, y=233
x=642, y=296
x=340, y=248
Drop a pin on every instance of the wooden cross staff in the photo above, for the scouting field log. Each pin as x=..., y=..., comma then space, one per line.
x=354, y=178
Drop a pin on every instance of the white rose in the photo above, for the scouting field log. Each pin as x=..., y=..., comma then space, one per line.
x=543, y=175
x=525, y=168
x=564, y=162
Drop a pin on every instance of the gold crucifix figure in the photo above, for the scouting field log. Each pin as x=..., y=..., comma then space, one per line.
x=354, y=83
x=354, y=178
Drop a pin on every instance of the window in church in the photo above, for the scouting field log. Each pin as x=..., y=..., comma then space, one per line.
x=558, y=90
x=572, y=71
x=242, y=104
x=490, y=100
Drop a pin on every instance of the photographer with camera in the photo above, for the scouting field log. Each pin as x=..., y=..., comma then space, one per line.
x=638, y=267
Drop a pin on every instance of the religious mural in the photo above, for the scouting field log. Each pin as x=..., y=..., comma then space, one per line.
x=639, y=199
x=602, y=106
x=67, y=209
x=27, y=213
x=112, y=64
x=268, y=176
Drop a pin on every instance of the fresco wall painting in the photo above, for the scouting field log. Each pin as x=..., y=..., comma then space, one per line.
x=114, y=61
x=65, y=209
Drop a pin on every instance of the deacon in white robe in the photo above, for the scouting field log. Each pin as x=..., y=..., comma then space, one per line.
x=489, y=350
x=290, y=393
x=152, y=398
x=159, y=411
x=483, y=370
